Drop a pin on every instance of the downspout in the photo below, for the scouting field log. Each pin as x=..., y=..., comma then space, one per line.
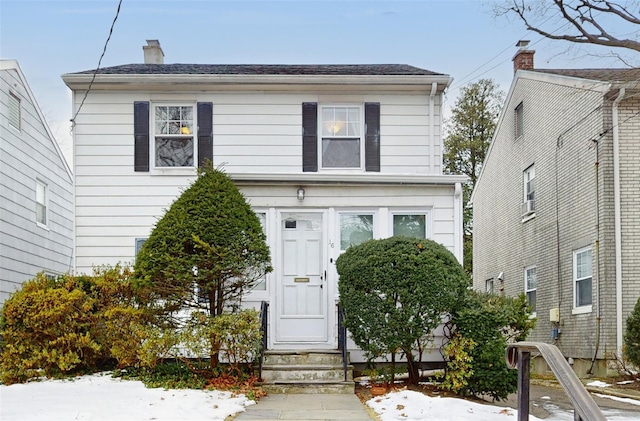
x=432, y=117
x=617, y=224
x=457, y=220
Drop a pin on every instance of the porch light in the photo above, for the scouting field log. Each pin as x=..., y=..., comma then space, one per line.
x=300, y=193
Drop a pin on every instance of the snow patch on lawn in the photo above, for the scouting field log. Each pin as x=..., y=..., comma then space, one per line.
x=100, y=397
x=408, y=405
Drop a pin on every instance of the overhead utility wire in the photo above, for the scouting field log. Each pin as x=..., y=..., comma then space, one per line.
x=468, y=76
x=95, y=72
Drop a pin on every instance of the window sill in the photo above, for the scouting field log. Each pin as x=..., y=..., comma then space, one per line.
x=44, y=227
x=174, y=171
x=582, y=310
x=528, y=217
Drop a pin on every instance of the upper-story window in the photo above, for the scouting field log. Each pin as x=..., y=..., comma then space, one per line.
x=15, y=112
x=582, y=279
x=173, y=134
x=42, y=202
x=529, y=191
x=341, y=137
x=519, y=120
x=341, y=130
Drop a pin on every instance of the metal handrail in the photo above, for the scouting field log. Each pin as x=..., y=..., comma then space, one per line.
x=263, y=330
x=342, y=340
x=518, y=356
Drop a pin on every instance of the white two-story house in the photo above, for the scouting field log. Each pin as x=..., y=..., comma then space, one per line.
x=36, y=189
x=327, y=155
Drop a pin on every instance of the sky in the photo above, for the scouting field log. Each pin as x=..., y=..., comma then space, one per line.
x=460, y=38
x=99, y=397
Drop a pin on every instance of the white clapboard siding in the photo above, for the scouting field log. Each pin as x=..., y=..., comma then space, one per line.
x=253, y=132
x=26, y=155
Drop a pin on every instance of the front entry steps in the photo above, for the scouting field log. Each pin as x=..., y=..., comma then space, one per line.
x=306, y=371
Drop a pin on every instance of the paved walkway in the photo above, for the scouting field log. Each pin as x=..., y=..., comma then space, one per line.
x=316, y=407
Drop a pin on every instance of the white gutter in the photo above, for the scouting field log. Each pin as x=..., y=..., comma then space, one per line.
x=458, y=223
x=434, y=88
x=617, y=224
x=348, y=179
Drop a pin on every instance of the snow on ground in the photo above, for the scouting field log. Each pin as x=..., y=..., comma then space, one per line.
x=598, y=383
x=100, y=397
x=619, y=399
x=408, y=405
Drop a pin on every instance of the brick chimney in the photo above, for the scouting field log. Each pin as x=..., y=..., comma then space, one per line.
x=523, y=60
x=153, y=52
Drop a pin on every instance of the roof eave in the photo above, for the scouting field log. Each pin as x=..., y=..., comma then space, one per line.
x=81, y=81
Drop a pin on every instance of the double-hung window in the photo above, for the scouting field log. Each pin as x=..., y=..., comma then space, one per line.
x=355, y=228
x=530, y=287
x=582, y=280
x=529, y=190
x=174, y=144
x=42, y=202
x=341, y=130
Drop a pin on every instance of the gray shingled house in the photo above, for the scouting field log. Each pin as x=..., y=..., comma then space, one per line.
x=557, y=206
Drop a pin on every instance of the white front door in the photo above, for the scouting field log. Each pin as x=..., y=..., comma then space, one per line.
x=302, y=291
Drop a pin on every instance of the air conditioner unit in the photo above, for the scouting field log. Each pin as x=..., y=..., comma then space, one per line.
x=528, y=207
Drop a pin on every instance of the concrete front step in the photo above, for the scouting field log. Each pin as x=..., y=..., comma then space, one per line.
x=306, y=371
x=303, y=357
x=309, y=387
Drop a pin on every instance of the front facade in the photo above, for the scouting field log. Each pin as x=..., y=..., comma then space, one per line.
x=328, y=156
x=556, y=208
x=36, y=189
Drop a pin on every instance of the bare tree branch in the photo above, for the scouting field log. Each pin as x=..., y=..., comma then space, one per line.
x=586, y=19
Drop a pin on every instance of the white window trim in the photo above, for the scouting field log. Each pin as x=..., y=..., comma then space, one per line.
x=589, y=307
x=426, y=212
x=526, y=286
x=359, y=169
x=489, y=286
x=46, y=204
x=18, y=99
x=526, y=214
x=152, y=138
x=339, y=212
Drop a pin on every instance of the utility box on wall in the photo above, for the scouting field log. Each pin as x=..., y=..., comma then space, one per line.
x=554, y=315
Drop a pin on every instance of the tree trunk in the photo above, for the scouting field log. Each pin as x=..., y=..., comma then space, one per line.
x=412, y=368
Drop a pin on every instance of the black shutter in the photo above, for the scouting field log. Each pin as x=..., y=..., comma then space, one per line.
x=141, y=135
x=372, y=136
x=309, y=136
x=205, y=132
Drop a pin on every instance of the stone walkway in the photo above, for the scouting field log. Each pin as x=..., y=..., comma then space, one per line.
x=316, y=407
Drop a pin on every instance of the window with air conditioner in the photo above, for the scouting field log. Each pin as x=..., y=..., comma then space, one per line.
x=529, y=192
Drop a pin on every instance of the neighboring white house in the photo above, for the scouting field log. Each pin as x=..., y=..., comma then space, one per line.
x=327, y=155
x=36, y=189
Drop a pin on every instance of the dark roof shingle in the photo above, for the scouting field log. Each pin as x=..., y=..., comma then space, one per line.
x=265, y=69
